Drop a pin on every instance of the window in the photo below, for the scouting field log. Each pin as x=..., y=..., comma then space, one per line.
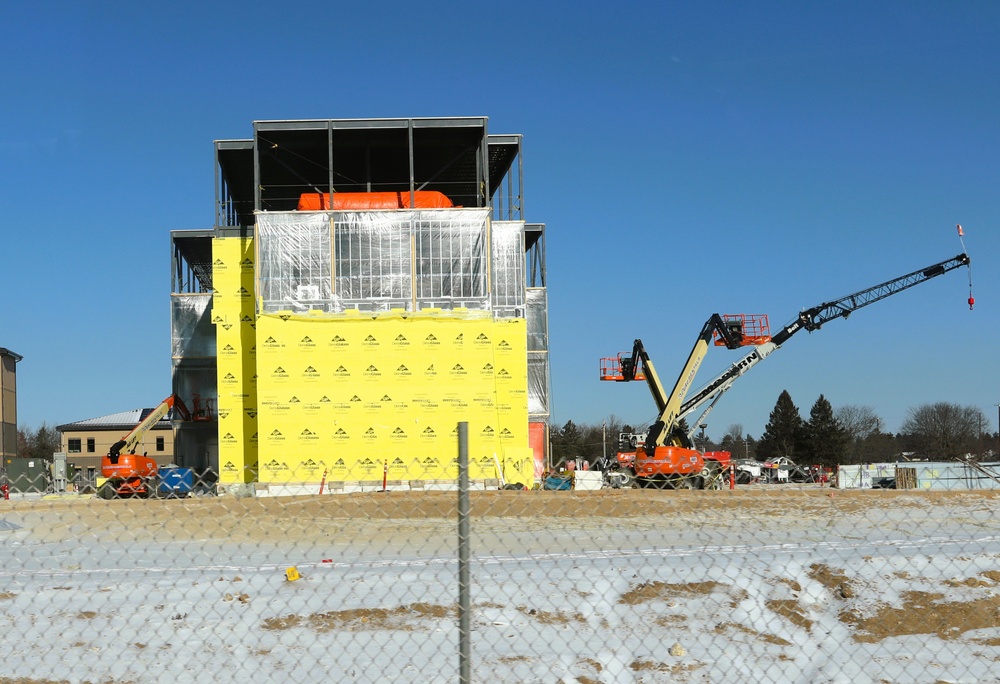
x=159, y=443
x=90, y=445
x=74, y=446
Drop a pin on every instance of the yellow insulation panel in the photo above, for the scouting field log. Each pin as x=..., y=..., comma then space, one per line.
x=362, y=397
x=235, y=330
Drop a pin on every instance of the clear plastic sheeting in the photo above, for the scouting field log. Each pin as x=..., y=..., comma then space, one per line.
x=537, y=315
x=373, y=259
x=294, y=266
x=538, y=384
x=196, y=443
x=450, y=259
x=192, y=335
x=508, y=269
x=376, y=261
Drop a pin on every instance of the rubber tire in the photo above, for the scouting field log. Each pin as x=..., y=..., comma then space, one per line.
x=107, y=491
x=711, y=476
x=625, y=478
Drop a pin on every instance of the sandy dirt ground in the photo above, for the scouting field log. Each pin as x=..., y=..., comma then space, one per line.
x=225, y=517
x=394, y=526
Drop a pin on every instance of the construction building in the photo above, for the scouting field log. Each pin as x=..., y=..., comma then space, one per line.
x=367, y=286
x=8, y=403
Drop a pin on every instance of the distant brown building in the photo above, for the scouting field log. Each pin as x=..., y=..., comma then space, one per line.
x=8, y=403
x=86, y=441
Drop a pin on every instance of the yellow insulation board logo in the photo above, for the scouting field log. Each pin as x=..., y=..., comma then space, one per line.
x=233, y=316
x=369, y=398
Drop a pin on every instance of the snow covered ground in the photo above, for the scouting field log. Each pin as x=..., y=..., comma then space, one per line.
x=809, y=587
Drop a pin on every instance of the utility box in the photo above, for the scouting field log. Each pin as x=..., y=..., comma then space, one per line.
x=59, y=472
x=28, y=474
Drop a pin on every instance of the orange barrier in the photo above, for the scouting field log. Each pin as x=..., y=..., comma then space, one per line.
x=354, y=201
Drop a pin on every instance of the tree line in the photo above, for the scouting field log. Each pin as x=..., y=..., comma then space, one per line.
x=848, y=435
x=40, y=443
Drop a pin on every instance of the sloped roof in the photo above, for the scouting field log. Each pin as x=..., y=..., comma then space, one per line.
x=7, y=352
x=125, y=420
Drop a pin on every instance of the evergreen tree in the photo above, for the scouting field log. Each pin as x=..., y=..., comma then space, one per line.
x=555, y=444
x=566, y=444
x=824, y=439
x=783, y=431
x=40, y=443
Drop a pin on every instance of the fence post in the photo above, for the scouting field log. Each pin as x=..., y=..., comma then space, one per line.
x=464, y=589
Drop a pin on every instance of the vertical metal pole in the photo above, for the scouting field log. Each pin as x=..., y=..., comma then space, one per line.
x=256, y=171
x=409, y=140
x=464, y=617
x=218, y=190
x=329, y=162
x=520, y=178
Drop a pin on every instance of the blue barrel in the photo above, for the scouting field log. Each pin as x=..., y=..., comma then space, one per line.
x=176, y=481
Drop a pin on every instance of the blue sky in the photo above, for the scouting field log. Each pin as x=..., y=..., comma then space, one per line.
x=687, y=158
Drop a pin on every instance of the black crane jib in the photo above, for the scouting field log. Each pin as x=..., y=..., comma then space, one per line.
x=814, y=318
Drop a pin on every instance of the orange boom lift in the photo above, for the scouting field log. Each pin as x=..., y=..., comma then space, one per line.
x=667, y=457
x=130, y=474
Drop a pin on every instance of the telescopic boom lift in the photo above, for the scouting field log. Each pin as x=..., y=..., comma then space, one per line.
x=663, y=457
x=668, y=454
x=811, y=319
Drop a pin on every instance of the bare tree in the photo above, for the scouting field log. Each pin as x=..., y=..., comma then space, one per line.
x=738, y=444
x=944, y=430
x=860, y=422
x=864, y=429
x=734, y=432
x=613, y=426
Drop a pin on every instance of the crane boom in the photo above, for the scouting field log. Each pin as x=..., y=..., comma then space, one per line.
x=813, y=319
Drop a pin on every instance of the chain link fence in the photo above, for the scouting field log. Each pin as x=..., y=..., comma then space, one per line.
x=764, y=583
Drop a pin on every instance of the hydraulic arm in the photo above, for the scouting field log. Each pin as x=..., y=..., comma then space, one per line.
x=813, y=319
x=668, y=405
x=129, y=442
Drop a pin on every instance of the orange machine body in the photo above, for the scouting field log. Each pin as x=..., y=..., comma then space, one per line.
x=673, y=461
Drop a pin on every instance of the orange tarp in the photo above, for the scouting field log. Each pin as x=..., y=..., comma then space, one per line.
x=354, y=201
